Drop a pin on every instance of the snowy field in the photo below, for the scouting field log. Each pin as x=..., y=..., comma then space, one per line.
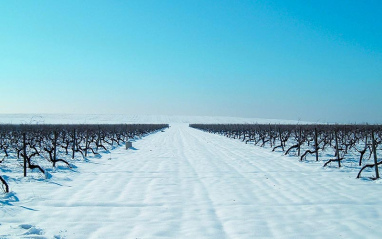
x=184, y=183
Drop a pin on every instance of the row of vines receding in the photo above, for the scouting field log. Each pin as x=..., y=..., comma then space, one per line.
x=352, y=146
x=31, y=146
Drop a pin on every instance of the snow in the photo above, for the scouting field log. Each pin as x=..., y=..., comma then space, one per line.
x=185, y=183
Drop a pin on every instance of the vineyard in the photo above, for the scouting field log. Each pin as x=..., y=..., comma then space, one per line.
x=36, y=148
x=81, y=182
x=39, y=148
x=352, y=146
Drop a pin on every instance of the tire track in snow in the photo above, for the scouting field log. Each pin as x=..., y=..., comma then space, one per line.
x=231, y=191
x=211, y=225
x=158, y=182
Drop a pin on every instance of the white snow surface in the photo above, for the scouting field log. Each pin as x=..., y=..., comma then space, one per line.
x=185, y=183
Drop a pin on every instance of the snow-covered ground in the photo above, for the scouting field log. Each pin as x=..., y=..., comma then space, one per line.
x=185, y=183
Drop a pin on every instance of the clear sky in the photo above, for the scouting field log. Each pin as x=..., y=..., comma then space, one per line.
x=307, y=60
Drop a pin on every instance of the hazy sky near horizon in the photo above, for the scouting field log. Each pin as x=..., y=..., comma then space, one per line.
x=283, y=59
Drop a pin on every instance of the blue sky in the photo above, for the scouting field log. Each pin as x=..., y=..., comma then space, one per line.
x=307, y=60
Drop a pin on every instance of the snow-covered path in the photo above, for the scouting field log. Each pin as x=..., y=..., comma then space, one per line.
x=184, y=183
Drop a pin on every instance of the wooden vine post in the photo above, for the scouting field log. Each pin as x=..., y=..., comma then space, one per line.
x=55, y=149
x=299, y=142
x=98, y=138
x=25, y=154
x=375, y=155
x=316, y=142
x=270, y=135
x=360, y=162
x=337, y=151
x=86, y=143
x=74, y=143
x=281, y=140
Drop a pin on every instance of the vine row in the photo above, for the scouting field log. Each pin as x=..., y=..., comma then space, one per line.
x=336, y=145
x=58, y=144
